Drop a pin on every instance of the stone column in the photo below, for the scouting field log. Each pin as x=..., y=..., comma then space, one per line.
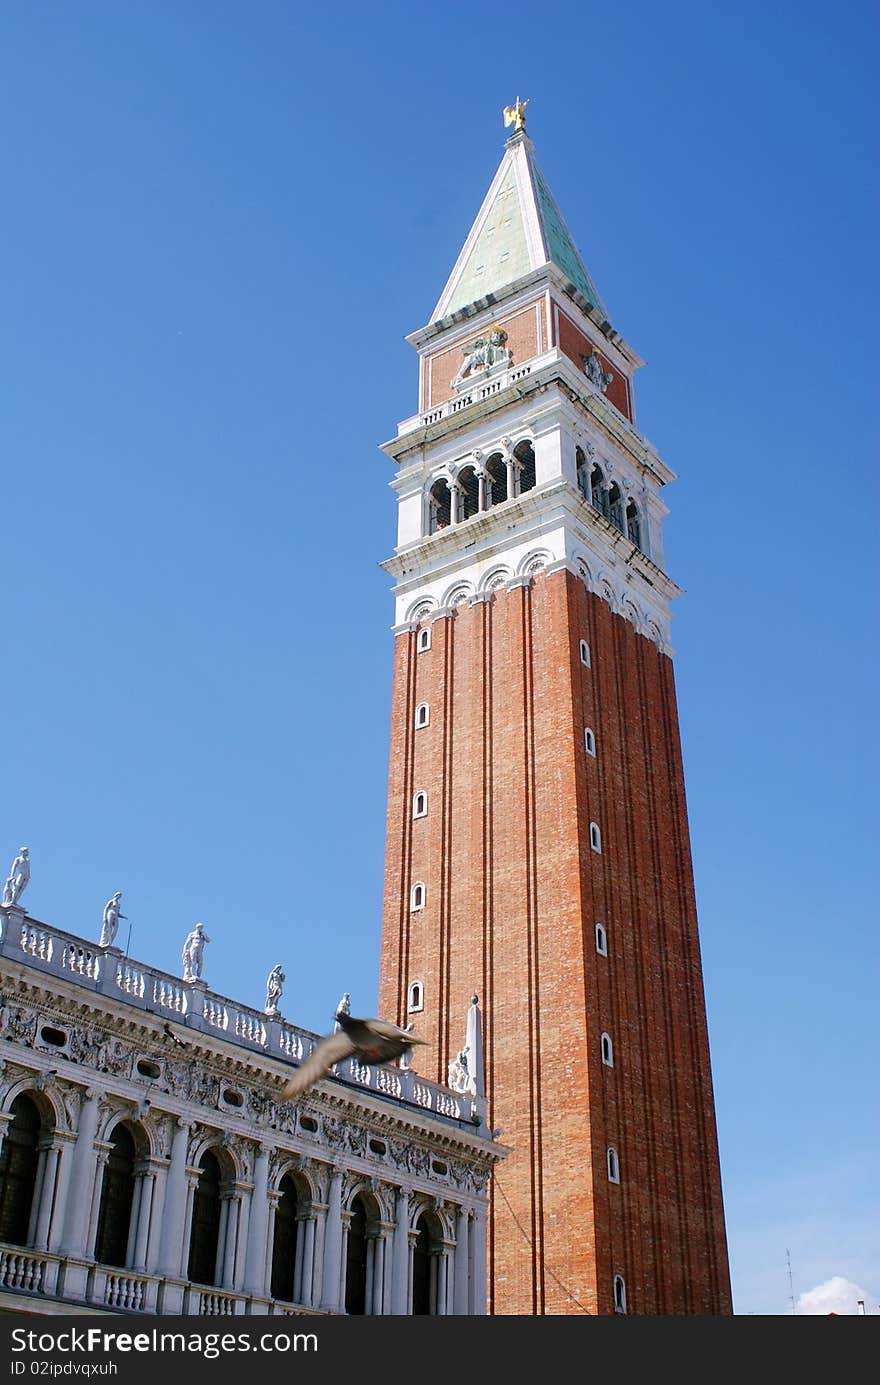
x=320, y=1212
x=375, y=1304
x=245, y=1193
x=478, y=1261
x=225, y=1272
x=514, y=467
x=157, y=1220
x=145, y=1208
x=273, y=1200
x=65, y=1141
x=412, y=1240
x=45, y=1199
x=299, y=1259
x=78, y=1199
x=460, y=1299
x=175, y=1220
x=342, y=1286
x=382, y=1297
x=332, y=1266
x=308, y=1258
x=103, y=1154
x=255, y=1265
x=400, y=1255
x=37, y=1197
x=133, y=1220
x=440, y=1305
x=455, y=502
x=482, y=491
x=192, y=1183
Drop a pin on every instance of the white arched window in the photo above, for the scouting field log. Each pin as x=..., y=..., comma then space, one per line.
x=607, y=1050
x=423, y=715
x=420, y=804
x=619, y=1294
x=585, y=653
x=423, y=639
x=595, y=837
x=601, y=940
x=415, y=997
x=613, y=1165
x=417, y=896
x=589, y=741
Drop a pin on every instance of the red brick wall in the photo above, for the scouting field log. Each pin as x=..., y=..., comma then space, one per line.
x=514, y=891
x=526, y=337
x=575, y=345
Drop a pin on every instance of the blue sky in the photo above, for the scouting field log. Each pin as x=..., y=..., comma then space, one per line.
x=218, y=224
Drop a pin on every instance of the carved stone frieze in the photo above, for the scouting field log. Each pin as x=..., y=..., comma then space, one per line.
x=17, y=1024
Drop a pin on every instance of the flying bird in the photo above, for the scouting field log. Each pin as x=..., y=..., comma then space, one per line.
x=372, y=1041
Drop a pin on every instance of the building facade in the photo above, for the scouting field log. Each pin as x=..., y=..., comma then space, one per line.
x=147, y=1164
x=537, y=838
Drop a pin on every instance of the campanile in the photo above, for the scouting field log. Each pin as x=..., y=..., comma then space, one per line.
x=538, y=849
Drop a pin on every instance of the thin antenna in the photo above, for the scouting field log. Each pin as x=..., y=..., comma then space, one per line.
x=790, y=1283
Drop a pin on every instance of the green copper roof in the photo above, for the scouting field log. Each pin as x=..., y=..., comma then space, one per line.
x=518, y=229
x=500, y=254
x=560, y=247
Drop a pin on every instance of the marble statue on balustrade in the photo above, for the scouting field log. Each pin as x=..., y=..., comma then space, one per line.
x=596, y=372
x=458, y=1077
x=274, y=989
x=110, y=921
x=194, y=952
x=18, y=877
x=343, y=1008
x=482, y=354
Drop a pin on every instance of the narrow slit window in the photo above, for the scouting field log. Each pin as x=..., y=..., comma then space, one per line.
x=423, y=639
x=417, y=896
x=619, y=1294
x=601, y=940
x=589, y=741
x=613, y=1165
x=595, y=837
x=423, y=715
x=415, y=998
x=607, y=1050
x=585, y=654
x=420, y=804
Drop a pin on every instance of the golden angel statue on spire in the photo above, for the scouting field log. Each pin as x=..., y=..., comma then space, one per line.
x=515, y=115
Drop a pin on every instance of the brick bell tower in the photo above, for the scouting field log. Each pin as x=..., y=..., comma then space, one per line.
x=538, y=849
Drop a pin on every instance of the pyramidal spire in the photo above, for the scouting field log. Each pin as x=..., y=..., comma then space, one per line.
x=518, y=229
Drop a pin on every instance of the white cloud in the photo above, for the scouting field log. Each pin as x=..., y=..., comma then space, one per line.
x=836, y=1295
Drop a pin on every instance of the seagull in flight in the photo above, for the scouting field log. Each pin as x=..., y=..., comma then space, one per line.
x=371, y=1041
